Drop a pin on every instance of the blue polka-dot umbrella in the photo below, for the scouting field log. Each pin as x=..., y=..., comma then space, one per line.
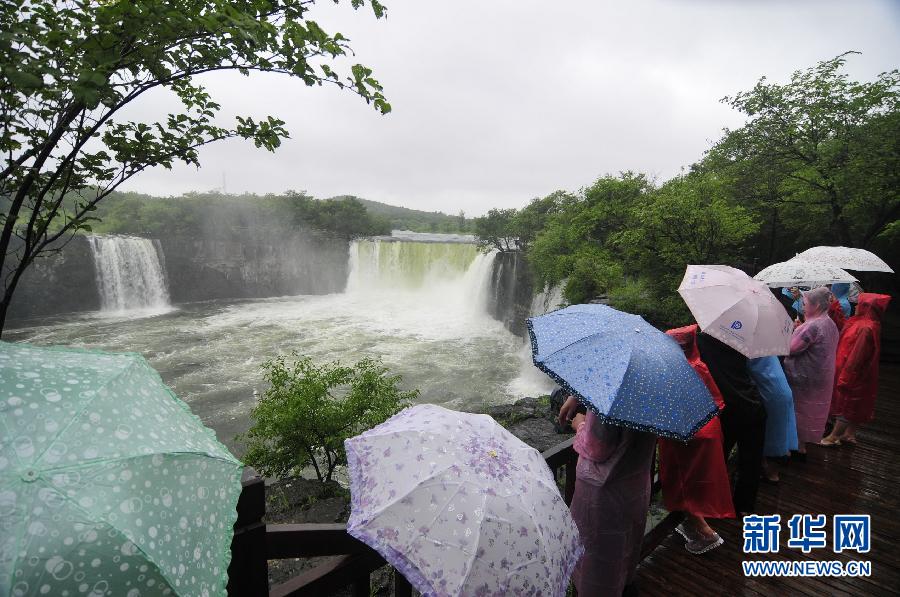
x=108, y=484
x=622, y=368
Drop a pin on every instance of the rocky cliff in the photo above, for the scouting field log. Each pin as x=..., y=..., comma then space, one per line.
x=511, y=291
x=240, y=264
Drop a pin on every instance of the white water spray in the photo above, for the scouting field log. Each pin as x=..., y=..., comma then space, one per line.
x=530, y=378
x=130, y=274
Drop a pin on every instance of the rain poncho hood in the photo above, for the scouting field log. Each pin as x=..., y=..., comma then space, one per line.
x=841, y=292
x=858, y=353
x=872, y=306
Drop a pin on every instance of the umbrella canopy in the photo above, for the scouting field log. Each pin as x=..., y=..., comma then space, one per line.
x=732, y=307
x=798, y=272
x=460, y=506
x=108, y=484
x=621, y=367
x=858, y=260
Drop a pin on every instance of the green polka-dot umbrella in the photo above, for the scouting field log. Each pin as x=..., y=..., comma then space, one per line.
x=108, y=484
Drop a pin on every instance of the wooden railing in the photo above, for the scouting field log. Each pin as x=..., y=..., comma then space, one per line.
x=255, y=543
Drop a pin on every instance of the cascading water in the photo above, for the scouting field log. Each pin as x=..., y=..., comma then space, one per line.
x=420, y=303
x=421, y=286
x=530, y=377
x=130, y=273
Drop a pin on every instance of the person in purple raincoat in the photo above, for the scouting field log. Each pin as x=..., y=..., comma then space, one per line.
x=810, y=367
x=612, y=497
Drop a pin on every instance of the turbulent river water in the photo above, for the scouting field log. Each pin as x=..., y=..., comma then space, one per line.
x=419, y=306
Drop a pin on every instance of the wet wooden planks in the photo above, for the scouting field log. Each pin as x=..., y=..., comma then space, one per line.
x=862, y=479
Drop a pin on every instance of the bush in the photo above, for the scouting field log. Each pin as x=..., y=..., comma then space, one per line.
x=309, y=410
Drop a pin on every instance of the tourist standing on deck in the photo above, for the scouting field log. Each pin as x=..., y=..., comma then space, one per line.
x=612, y=497
x=856, y=378
x=693, y=475
x=781, y=422
x=810, y=367
x=743, y=418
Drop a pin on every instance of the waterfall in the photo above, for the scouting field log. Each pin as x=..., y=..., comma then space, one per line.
x=548, y=299
x=442, y=283
x=530, y=377
x=130, y=273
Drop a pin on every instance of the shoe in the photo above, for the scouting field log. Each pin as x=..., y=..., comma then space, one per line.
x=829, y=443
x=704, y=544
x=684, y=532
x=848, y=440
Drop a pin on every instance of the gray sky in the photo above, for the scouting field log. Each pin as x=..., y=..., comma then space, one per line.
x=499, y=101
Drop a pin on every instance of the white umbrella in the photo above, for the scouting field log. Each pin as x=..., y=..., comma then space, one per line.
x=460, y=506
x=798, y=272
x=732, y=307
x=847, y=258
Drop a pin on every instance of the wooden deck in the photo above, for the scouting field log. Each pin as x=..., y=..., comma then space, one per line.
x=862, y=479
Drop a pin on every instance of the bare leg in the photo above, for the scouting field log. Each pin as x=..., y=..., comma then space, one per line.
x=840, y=426
x=850, y=433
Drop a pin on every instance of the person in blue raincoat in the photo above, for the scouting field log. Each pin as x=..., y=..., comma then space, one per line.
x=781, y=422
x=796, y=310
x=841, y=292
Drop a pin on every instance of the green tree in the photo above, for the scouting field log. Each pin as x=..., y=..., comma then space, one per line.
x=532, y=218
x=817, y=157
x=576, y=244
x=68, y=71
x=345, y=217
x=689, y=219
x=496, y=230
x=309, y=410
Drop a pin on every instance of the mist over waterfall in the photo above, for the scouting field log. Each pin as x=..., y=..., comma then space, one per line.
x=130, y=273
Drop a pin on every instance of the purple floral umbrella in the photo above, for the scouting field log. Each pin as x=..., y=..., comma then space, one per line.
x=460, y=506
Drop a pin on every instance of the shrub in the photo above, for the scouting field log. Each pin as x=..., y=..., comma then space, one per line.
x=309, y=410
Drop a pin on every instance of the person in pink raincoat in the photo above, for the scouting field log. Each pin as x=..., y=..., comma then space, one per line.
x=810, y=367
x=612, y=497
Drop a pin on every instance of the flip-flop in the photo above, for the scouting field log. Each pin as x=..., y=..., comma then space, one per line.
x=830, y=444
x=848, y=440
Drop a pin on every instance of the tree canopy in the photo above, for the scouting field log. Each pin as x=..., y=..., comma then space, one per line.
x=817, y=162
x=67, y=71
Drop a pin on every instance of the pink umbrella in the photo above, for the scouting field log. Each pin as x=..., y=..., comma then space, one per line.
x=732, y=307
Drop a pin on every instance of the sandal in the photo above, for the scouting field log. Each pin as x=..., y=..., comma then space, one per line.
x=830, y=443
x=848, y=440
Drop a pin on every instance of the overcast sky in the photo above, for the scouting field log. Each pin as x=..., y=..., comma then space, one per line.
x=499, y=101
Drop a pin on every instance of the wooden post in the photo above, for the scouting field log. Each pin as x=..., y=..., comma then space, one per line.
x=248, y=573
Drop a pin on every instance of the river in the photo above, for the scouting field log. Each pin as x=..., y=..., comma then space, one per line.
x=419, y=306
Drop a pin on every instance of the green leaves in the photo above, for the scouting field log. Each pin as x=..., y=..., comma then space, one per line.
x=67, y=72
x=309, y=410
x=800, y=153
